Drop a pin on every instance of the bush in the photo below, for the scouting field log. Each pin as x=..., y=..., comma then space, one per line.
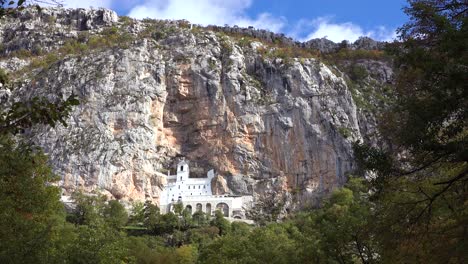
x=22, y=53
x=73, y=47
x=3, y=77
x=345, y=132
x=357, y=72
x=348, y=54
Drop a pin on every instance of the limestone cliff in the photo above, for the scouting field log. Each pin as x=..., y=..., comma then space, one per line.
x=152, y=90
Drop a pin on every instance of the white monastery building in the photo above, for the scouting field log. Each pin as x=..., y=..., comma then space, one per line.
x=196, y=195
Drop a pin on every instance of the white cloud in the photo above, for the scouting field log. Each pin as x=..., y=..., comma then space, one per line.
x=206, y=12
x=323, y=27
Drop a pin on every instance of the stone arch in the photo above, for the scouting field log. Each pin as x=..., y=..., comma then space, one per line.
x=189, y=208
x=237, y=214
x=208, y=209
x=224, y=208
x=199, y=207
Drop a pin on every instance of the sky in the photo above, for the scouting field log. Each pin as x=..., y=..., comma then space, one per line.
x=302, y=20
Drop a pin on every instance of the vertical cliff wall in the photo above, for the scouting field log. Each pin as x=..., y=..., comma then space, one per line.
x=264, y=122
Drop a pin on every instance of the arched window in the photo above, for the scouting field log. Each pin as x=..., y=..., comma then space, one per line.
x=182, y=168
x=224, y=208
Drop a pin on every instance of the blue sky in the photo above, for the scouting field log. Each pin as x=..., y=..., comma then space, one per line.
x=300, y=19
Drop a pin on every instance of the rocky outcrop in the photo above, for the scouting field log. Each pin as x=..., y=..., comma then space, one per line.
x=262, y=123
x=45, y=29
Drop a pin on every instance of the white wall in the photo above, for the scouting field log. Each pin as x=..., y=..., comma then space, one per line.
x=186, y=187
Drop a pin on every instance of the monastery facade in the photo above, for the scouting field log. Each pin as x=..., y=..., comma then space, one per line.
x=196, y=195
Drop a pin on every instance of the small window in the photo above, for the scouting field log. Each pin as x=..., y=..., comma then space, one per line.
x=190, y=193
x=203, y=186
x=198, y=186
x=179, y=187
x=181, y=168
x=189, y=187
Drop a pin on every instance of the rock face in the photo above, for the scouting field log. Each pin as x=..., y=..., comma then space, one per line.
x=263, y=123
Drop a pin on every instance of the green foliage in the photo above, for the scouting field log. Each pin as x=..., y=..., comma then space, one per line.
x=3, y=77
x=110, y=38
x=272, y=244
x=422, y=220
x=226, y=45
x=23, y=115
x=127, y=21
x=286, y=53
x=115, y=214
x=97, y=243
x=346, y=54
x=137, y=216
x=357, y=72
x=73, y=47
x=88, y=209
x=151, y=215
x=345, y=132
x=157, y=29
x=420, y=182
x=168, y=224
x=22, y=54
x=51, y=20
x=200, y=219
x=187, y=220
x=221, y=223
x=245, y=42
x=178, y=208
x=43, y=62
x=30, y=211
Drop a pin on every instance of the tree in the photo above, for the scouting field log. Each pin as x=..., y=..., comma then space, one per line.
x=22, y=115
x=200, y=219
x=137, y=216
x=342, y=231
x=271, y=244
x=151, y=216
x=420, y=182
x=221, y=223
x=115, y=214
x=89, y=208
x=30, y=208
x=429, y=117
x=178, y=208
x=186, y=219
